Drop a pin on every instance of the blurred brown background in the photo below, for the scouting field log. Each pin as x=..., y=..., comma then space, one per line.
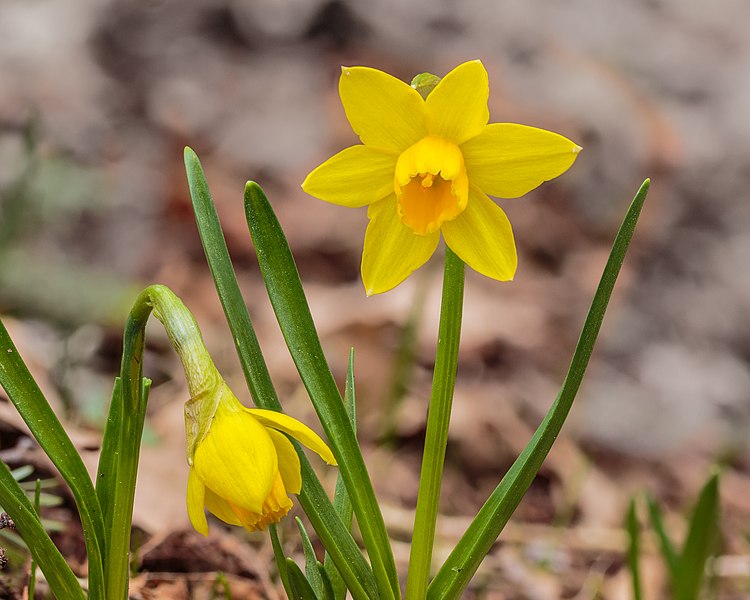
x=97, y=100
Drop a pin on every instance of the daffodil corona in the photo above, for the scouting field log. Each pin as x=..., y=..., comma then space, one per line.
x=243, y=467
x=427, y=166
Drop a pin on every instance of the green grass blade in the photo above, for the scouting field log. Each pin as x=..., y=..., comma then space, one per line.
x=341, y=503
x=301, y=589
x=700, y=542
x=463, y=562
x=334, y=535
x=634, y=549
x=668, y=552
x=293, y=314
x=33, y=407
x=61, y=579
x=311, y=562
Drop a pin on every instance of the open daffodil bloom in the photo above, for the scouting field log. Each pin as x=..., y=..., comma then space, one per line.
x=243, y=467
x=427, y=165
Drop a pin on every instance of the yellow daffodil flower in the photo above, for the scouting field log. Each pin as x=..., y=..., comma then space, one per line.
x=244, y=467
x=427, y=165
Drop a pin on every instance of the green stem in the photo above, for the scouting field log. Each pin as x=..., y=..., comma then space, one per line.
x=453, y=577
x=184, y=335
x=438, y=420
x=132, y=413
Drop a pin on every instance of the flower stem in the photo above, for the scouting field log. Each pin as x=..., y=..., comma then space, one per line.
x=184, y=335
x=438, y=419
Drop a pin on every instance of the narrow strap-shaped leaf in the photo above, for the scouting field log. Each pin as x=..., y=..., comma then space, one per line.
x=311, y=561
x=41, y=420
x=668, y=552
x=334, y=535
x=471, y=549
x=634, y=549
x=106, y=477
x=34, y=564
x=327, y=586
x=301, y=589
x=341, y=503
x=13, y=499
x=293, y=314
x=116, y=478
x=700, y=542
x=438, y=421
x=220, y=264
x=278, y=554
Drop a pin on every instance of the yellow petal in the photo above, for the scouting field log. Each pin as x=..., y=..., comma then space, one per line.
x=482, y=237
x=508, y=160
x=392, y=250
x=220, y=508
x=457, y=108
x=195, y=498
x=299, y=431
x=289, y=465
x=383, y=111
x=354, y=177
x=237, y=459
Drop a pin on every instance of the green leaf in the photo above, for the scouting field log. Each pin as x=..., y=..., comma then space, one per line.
x=311, y=561
x=293, y=314
x=301, y=589
x=438, y=421
x=327, y=586
x=668, y=552
x=634, y=549
x=123, y=472
x=462, y=563
x=278, y=554
x=341, y=503
x=106, y=475
x=61, y=579
x=34, y=564
x=41, y=420
x=334, y=535
x=700, y=542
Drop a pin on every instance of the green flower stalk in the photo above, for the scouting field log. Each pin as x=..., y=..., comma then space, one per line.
x=242, y=467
